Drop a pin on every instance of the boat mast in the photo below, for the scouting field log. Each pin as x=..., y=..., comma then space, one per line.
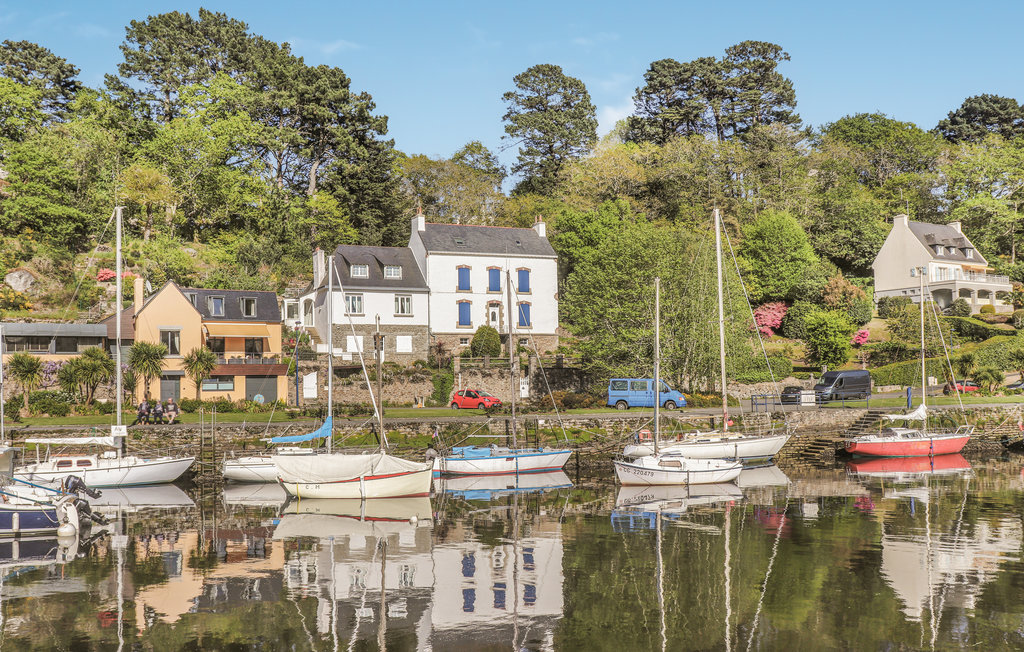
x=721, y=322
x=511, y=353
x=117, y=316
x=924, y=378
x=3, y=432
x=657, y=363
x=378, y=350
x=330, y=349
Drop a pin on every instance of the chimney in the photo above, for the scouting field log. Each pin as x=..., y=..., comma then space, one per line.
x=419, y=223
x=956, y=225
x=900, y=220
x=319, y=265
x=138, y=298
x=540, y=227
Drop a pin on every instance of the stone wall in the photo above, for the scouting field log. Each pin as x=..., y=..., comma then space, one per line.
x=419, y=334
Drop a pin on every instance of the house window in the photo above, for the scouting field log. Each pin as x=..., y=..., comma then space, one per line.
x=66, y=345
x=493, y=279
x=938, y=250
x=215, y=344
x=248, y=306
x=254, y=347
x=31, y=343
x=524, y=281
x=353, y=304
x=392, y=271
x=291, y=310
x=192, y=298
x=216, y=305
x=969, y=253
x=463, y=341
x=219, y=384
x=403, y=304
x=465, y=318
x=360, y=271
x=172, y=340
x=464, y=279
x=524, y=314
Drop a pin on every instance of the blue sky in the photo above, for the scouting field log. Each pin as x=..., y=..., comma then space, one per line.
x=438, y=69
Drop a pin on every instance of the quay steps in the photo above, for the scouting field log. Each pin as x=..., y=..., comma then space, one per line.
x=823, y=445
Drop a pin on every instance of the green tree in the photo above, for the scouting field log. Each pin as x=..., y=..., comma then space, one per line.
x=26, y=370
x=147, y=360
x=19, y=111
x=450, y=191
x=988, y=377
x=485, y=343
x=776, y=254
x=981, y=115
x=965, y=364
x=35, y=66
x=828, y=338
x=476, y=156
x=199, y=363
x=887, y=147
x=551, y=118
x=148, y=188
x=96, y=368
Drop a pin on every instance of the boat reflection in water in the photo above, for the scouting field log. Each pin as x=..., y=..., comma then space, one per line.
x=129, y=500
x=489, y=487
x=254, y=495
x=908, y=469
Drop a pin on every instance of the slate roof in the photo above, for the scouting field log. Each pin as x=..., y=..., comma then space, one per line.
x=54, y=329
x=127, y=324
x=943, y=234
x=376, y=258
x=266, y=304
x=465, y=238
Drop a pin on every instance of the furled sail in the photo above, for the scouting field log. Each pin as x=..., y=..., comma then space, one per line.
x=920, y=414
x=323, y=431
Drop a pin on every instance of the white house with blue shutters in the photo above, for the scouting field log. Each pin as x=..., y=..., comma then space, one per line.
x=468, y=269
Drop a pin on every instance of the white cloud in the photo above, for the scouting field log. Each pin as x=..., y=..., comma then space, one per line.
x=595, y=39
x=335, y=46
x=610, y=114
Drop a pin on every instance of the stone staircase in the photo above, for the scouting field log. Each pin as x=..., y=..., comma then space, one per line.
x=817, y=445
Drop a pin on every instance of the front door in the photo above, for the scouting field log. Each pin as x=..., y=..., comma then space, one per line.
x=264, y=387
x=170, y=387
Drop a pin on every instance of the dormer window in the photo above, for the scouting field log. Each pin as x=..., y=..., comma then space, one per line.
x=969, y=253
x=938, y=250
x=248, y=305
x=216, y=305
x=360, y=271
x=191, y=297
x=393, y=271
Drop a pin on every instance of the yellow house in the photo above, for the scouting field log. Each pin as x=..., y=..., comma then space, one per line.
x=243, y=328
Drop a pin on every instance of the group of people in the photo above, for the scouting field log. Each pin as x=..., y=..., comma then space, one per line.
x=157, y=412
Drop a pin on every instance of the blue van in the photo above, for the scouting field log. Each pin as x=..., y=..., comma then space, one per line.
x=624, y=393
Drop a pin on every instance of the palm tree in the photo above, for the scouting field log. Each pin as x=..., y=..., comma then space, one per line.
x=199, y=363
x=965, y=363
x=96, y=367
x=27, y=371
x=147, y=360
x=1017, y=360
x=988, y=377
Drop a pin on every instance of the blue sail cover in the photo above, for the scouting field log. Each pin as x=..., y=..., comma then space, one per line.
x=323, y=431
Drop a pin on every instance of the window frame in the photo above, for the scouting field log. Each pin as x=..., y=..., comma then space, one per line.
x=458, y=278
x=392, y=276
x=364, y=267
x=491, y=276
x=520, y=314
x=222, y=348
x=242, y=301
x=254, y=353
x=519, y=280
x=469, y=313
x=210, y=305
x=400, y=300
x=176, y=332
x=354, y=296
x=208, y=384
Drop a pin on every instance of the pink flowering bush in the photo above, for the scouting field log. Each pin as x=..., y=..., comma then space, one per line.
x=105, y=275
x=860, y=337
x=769, y=316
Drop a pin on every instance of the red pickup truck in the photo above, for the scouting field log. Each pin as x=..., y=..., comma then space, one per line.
x=474, y=398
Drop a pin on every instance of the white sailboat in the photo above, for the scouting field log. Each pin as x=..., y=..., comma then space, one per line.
x=109, y=468
x=671, y=467
x=347, y=475
x=718, y=444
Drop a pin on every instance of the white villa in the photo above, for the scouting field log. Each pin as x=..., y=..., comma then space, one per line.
x=450, y=280
x=956, y=269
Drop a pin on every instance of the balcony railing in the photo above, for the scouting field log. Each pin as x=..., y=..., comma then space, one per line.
x=973, y=277
x=247, y=359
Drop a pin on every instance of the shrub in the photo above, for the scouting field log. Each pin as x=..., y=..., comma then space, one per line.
x=485, y=342
x=443, y=383
x=892, y=306
x=106, y=274
x=959, y=308
x=909, y=372
x=12, y=300
x=708, y=400
x=988, y=310
x=781, y=367
x=860, y=311
x=973, y=329
x=769, y=316
x=793, y=325
x=828, y=337
x=56, y=404
x=860, y=337
x=189, y=405
x=1018, y=319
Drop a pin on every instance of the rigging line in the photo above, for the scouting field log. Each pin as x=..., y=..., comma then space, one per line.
x=768, y=572
x=956, y=537
x=945, y=351
x=295, y=359
x=543, y=373
x=362, y=601
x=930, y=561
x=728, y=580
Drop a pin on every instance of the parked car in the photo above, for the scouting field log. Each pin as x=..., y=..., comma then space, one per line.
x=838, y=385
x=791, y=395
x=474, y=398
x=1014, y=387
x=624, y=393
x=961, y=386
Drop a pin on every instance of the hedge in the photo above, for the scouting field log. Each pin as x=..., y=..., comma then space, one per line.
x=781, y=366
x=909, y=372
x=974, y=329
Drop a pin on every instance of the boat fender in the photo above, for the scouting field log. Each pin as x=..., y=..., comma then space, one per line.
x=66, y=531
x=413, y=520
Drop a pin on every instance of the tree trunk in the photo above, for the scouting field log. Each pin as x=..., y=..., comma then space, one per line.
x=198, y=383
x=311, y=190
x=147, y=227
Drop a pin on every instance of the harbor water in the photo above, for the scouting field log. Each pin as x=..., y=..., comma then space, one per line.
x=880, y=555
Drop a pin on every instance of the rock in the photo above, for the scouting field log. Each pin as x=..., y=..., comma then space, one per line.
x=190, y=251
x=20, y=280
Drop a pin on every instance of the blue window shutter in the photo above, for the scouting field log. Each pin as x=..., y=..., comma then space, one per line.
x=463, y=278
x=524, y=314
x=524, y=280
x=494, y=280
x=464, y=319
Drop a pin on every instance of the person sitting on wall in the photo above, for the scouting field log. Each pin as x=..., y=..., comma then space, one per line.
x=172, y=410
x=143, y=412
x=157, y=413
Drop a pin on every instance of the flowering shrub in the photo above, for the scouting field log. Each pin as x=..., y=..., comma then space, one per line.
x=13, y=300
x=860, y=337
x=106, y=274
x=769, y=316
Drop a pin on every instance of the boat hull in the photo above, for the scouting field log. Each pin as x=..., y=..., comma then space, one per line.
x=27, y=519
x=741, y=447
x=630, y=473
x=504, y=464
x=392, y=485
x=250, y=469
x=110, y=472
x=931, y=446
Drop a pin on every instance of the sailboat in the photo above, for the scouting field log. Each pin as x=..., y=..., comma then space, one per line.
x=500, y=460
x=348, y=475
x=718, y=444
x=671, y=467
x=912, y=442
x=108, y=468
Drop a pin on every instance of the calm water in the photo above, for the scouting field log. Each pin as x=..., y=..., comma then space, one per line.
x=885, y=556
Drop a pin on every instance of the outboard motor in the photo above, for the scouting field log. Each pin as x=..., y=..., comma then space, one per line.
x=75, y=485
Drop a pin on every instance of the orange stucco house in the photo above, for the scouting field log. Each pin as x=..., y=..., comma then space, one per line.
x=243, y=328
